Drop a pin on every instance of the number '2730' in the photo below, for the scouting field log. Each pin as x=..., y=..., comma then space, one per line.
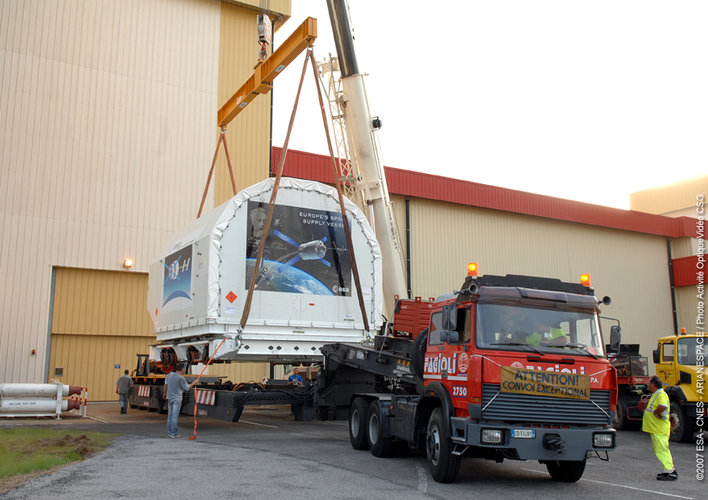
x=459, y=391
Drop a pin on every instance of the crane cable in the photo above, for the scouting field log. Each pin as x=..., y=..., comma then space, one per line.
x=265, y=232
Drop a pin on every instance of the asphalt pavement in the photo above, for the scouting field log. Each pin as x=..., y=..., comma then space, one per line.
x=269, y=455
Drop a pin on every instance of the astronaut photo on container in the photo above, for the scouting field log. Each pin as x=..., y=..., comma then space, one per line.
x=305, y=251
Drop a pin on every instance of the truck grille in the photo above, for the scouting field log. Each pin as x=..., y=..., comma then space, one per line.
x=544, y=409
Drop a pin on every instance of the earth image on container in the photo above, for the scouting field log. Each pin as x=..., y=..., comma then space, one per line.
x=272, y=278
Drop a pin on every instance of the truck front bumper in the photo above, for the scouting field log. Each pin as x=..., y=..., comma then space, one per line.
x=526, y=442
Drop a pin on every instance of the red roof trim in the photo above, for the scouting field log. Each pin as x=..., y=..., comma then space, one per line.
x=685, y=270
x=434, y=187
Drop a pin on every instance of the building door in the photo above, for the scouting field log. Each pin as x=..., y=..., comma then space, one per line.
x=99, y=323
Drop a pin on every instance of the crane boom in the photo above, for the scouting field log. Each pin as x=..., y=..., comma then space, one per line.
x=363, y=147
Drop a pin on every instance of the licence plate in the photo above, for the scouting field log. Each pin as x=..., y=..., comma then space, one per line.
x=523, y=433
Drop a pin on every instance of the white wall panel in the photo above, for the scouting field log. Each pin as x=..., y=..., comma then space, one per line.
x=108, y=117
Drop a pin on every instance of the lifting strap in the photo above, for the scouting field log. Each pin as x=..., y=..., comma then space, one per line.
x=271, y=203
x=222, y=138
x=195, y=386
x=338, y=183
x=271, y=206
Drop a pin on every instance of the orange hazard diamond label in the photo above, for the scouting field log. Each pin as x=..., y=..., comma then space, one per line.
x=231, y=297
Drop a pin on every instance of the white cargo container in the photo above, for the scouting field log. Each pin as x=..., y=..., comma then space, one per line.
x=305, y=295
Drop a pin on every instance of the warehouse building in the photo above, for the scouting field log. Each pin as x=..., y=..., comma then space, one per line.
x=109, y=114
x=683, y=199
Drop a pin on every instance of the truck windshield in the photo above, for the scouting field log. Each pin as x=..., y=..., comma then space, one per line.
x=687, y=351
x=514, y=327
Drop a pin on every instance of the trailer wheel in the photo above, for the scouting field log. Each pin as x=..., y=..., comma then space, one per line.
x=681, y=426
x=379, y=445
x=358, y=420
x=567, y=471
x=443, y=465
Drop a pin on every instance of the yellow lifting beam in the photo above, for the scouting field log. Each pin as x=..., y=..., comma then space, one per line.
x=261, y=81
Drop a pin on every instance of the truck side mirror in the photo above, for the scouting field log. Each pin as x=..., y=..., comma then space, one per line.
x=450, y=336
x=655, y=355
x=615, y=338
x=449, y=317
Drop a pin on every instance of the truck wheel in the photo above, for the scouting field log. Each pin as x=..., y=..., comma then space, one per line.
x=358, y=420
x=619, y=420
x=567, y=471
x=419, y=348
x=443, y=465
x=681, y=426
x=378, y=444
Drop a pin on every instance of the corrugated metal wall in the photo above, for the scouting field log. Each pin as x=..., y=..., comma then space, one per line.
x=629, y=267
x=674, y=200
x=687, y=309
x=91, y=302
x=94, y=362
x=248, y=135
x=99, y=324
x=108, y=111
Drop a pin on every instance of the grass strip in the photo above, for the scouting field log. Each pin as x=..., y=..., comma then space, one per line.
x=27, y=452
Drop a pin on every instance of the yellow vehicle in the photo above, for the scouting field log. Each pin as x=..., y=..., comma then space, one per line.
x=680, y=365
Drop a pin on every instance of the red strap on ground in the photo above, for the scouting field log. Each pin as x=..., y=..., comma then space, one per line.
x=195, y=387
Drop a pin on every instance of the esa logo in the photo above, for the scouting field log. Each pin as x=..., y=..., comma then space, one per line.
x=340, y=289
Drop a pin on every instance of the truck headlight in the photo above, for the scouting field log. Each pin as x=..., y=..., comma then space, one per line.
x=603, y=440
x=492, y=436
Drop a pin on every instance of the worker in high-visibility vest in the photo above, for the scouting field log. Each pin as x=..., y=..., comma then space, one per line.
x=656, y=422
x=546, y=335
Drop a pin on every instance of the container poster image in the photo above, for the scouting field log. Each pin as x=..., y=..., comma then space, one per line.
x=305, y=252
x=177, y=276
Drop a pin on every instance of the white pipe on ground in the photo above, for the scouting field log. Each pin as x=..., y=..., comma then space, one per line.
x=36, y=390
x=32, y=406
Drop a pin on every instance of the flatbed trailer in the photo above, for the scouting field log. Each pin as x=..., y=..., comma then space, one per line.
x=216, y=398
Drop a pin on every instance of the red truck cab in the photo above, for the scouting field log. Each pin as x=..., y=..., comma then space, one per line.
x=522, y=362
x=509, y=367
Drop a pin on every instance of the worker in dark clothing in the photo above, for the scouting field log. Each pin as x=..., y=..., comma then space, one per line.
x=123, y=389
x=175, y=387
